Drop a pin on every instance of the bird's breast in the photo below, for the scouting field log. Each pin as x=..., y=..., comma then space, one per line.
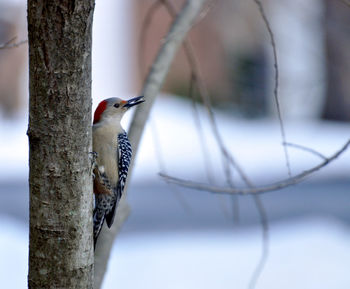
x=106, y=149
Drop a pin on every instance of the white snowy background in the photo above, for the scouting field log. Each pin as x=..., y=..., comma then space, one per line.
x=162, y=245
x=308, y=251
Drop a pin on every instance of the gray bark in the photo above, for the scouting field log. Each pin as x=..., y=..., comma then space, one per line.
x=153, y=84
x=60, y=245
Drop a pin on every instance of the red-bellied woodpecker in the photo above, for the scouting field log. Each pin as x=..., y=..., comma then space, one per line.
x=113, y=155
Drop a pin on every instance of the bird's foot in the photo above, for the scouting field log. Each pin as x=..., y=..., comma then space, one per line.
x=93, y=156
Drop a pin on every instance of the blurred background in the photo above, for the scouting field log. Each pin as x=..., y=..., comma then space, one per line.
x=179, y=238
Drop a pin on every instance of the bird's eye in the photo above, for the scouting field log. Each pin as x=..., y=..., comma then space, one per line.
x=116, y=105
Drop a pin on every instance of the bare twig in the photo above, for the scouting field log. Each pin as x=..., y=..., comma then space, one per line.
x=205, y=151
x=149, y=16
x=304, y=148
x=200, y=132
x=205, y=12
x=200, y=17
x=346, y=2
x=161, y=65
x=258, y=190
x=203, y=92
x=265, y=242
x=161, y=164
x=9, y=44
x=142, y=41
x=227, y=158
x=275, y=91
x=197, y=79
x=255, y=191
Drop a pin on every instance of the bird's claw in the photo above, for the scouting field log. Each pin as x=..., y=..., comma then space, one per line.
x=93, y=156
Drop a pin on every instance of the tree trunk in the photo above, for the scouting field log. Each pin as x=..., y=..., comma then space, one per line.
x=60, y=245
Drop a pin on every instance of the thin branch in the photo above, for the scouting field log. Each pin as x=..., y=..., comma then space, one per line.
x=275, y=91
x=9, y=44
x=304, y=148
x=346, y=2
x=161, y=164
x=149, y=16
x=204, y=12
x=258, y=190
x=203, y=92
x=205, y=150
x=142, y=41
x=196, y=78
x=227, y=158
x=202, y=142
x=259, y=205
x=160, y=67
x=200, y=17
x=265, y=242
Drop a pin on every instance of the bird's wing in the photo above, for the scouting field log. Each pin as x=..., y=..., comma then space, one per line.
x=124, y=153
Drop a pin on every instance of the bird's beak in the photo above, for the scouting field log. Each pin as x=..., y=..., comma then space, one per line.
x=134, y=101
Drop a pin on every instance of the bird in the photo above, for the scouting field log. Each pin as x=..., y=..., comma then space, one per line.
x=112, y=155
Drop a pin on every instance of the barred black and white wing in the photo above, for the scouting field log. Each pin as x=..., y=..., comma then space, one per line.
x=124, y=154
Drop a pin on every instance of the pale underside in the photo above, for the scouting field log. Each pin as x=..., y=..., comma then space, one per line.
x=105, y=144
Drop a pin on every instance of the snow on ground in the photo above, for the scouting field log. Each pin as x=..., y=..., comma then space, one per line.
x=255, y=144
x=14, y=147
x=312, y=254
x=303, y=254
x=172, y=134
x=13, y=254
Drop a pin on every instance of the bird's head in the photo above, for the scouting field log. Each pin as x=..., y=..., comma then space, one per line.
x=113, y=109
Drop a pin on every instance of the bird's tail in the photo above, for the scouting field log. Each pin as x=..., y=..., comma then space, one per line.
x=99, y=217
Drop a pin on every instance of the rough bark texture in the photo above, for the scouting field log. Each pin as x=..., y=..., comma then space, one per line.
x=60, y=246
